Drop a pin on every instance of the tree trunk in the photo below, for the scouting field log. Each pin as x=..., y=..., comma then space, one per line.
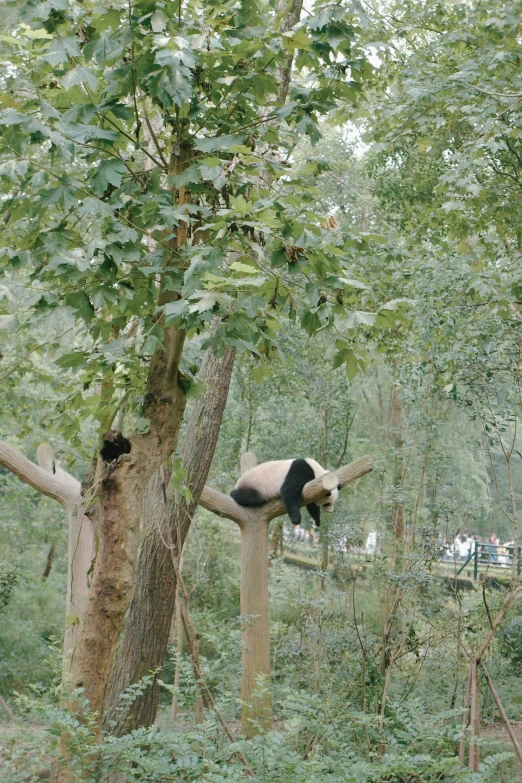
x=149, y=616
x=119, y=488
x=325, y=548
x=146, y=633
x=398, y=476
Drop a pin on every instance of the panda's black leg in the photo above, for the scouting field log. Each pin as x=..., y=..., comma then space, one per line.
x=300, y=473
x=293, y=509
x=315, y=512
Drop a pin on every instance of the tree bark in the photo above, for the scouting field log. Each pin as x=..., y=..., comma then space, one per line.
x=149, y=618
x=80, y=556
x=290, y=11
x=146, y=633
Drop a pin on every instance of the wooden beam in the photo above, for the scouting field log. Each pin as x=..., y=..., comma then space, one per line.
x=59, y=485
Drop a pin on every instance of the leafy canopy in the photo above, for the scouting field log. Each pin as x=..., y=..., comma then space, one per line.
x=122, y=124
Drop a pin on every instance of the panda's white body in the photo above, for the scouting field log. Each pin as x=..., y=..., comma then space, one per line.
x=282, y=478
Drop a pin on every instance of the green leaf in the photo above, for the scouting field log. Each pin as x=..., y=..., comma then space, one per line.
x=195, y=390
x=352, y=366
x=353, y=283
x=82, y=304
x=341, y=357
x=111, y=18
x=79, y=75
x=394, y=303
x=225, y=142
x=192, y=174
x=39, y=34
x=142, y=425
x=109, y=172
x=238, y=266
x=296, y=39
x=61, y=49
x=360, y=317
x=174, y=310
x=173, y=82
x=158, y=21
x=75, y=359
x=6, y=321
x=15, y=41
x=82, y=133
x=310, y=322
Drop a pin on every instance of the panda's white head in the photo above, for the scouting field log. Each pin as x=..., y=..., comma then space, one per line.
x=329, y=501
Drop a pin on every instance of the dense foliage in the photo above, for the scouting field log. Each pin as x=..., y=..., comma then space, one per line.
x=360, y=245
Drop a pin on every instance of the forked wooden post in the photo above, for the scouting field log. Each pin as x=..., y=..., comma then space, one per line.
x=255, y=625
x=256, y=709
x=50, y=479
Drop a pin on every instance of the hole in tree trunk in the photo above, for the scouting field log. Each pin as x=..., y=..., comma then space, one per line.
x=114, y=445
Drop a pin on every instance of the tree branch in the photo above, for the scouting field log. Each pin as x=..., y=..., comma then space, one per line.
x=59, y=486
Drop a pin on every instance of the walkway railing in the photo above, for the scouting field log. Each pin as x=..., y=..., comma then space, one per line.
x=490, y=555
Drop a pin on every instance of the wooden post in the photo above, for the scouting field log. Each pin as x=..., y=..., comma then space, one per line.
x=248, y=461
x=256, y=709
x=255, y=626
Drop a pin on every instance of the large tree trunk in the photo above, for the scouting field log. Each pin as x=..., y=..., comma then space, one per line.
x=145, y=638
x=119, y=489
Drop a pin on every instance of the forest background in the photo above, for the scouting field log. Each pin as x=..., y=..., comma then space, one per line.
x=325, y=202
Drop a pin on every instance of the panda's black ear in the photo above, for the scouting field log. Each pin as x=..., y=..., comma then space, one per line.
x=339, y=487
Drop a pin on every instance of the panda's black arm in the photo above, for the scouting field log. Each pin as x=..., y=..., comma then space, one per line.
x=300, y=473
x=315, y=512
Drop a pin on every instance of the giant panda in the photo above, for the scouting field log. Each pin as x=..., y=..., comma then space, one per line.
x=284, y=478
